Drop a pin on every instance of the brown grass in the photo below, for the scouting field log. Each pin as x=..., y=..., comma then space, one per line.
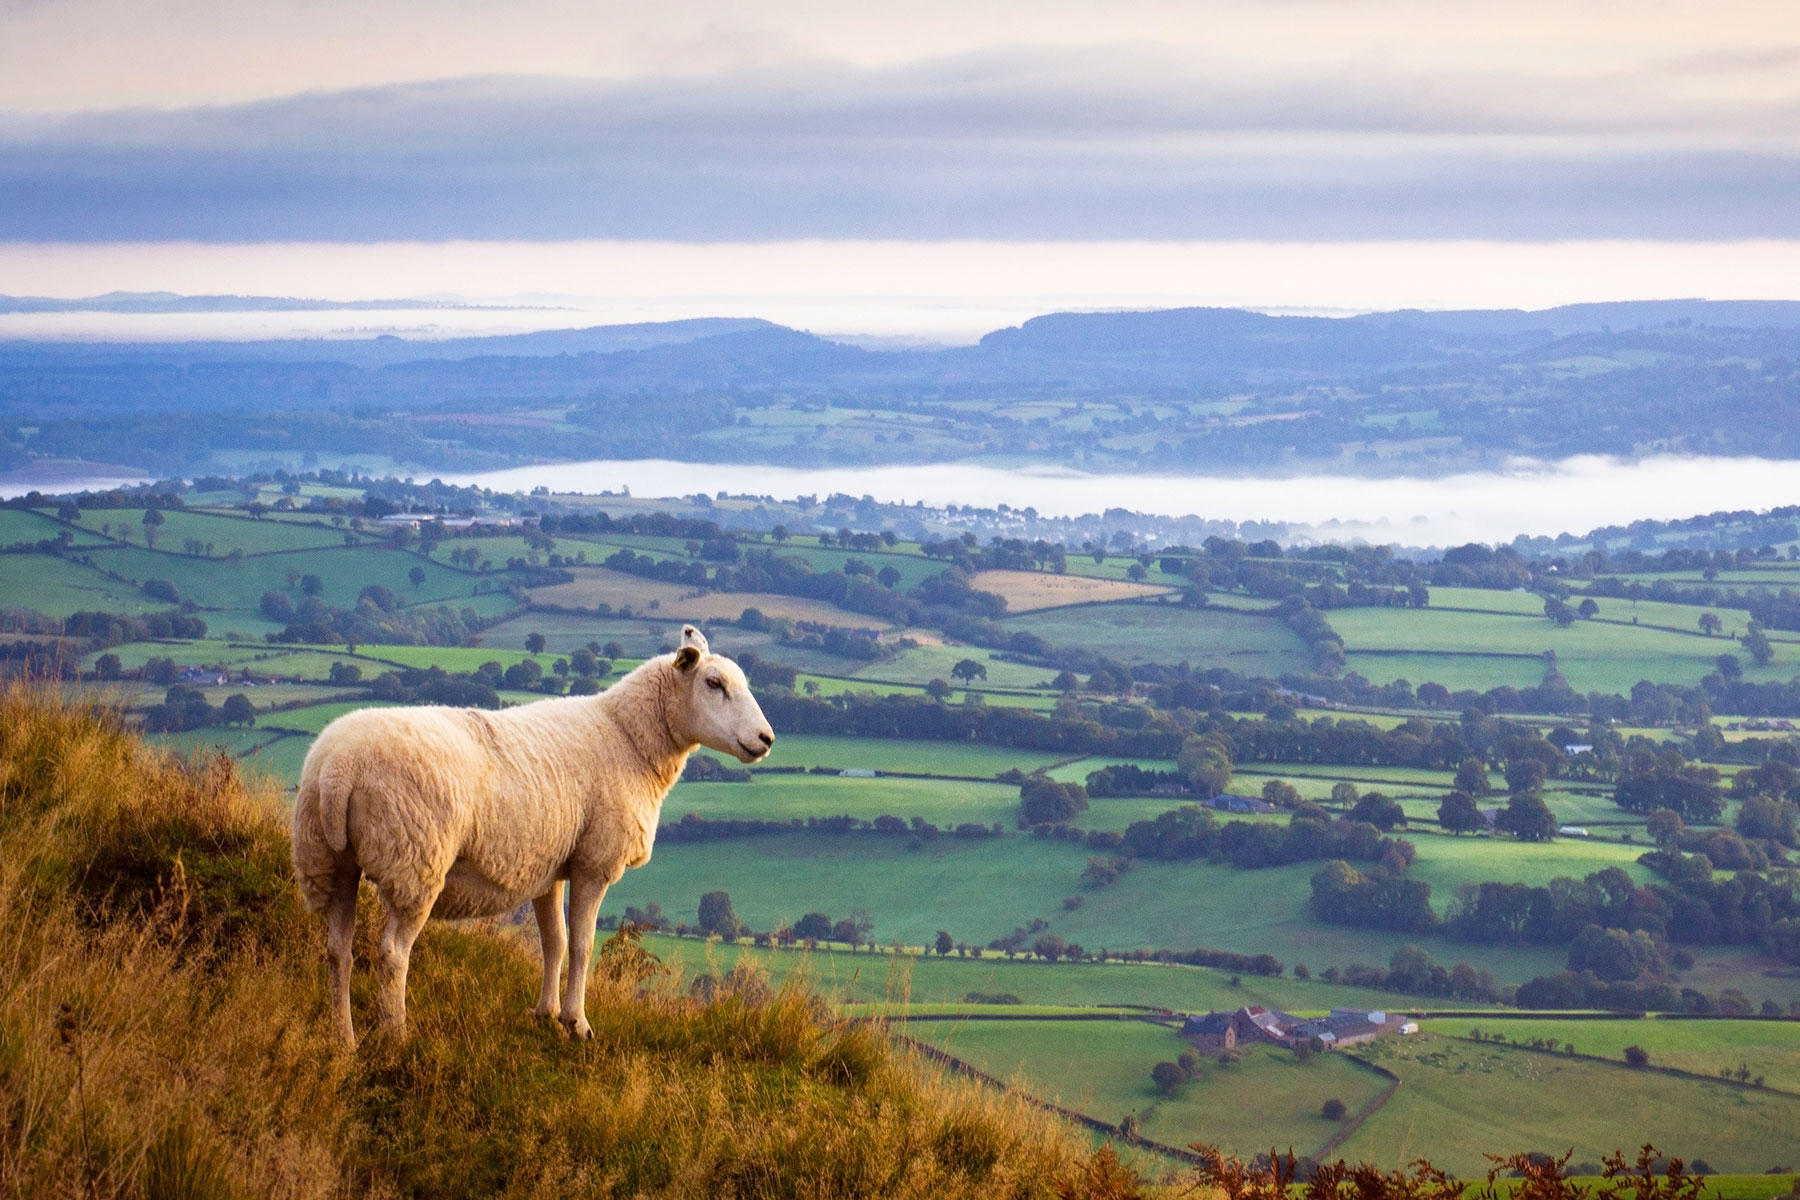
x=1032, y=591
x=163, y=1033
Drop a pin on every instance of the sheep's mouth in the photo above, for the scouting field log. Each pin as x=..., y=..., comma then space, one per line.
x=752, y=753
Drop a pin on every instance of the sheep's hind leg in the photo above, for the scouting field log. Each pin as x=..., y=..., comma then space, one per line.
x=340, y=937
x=555, y=939
x=392, y=960
x=585, y=895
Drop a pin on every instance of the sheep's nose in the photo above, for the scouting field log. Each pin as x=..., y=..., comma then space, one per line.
x=768, y=738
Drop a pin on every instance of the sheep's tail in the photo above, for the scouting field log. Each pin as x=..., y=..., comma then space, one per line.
x=321, y=825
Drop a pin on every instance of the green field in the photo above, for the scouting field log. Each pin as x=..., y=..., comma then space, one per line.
x=1593, y=655
x=977, y=889
x=1206, y=637
x=923, y=757
x=1768, y=1048
x=224, y=534
x=1457, y=1101
x=1102, y=1069
x=924, y=983
x=57, y=587
x=237, y=587
x=781, y=797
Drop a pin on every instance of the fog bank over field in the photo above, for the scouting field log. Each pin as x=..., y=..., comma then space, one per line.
x=1529, y=497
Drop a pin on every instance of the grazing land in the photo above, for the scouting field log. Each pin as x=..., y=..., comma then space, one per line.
x=896, y=797
x=1458, y=1101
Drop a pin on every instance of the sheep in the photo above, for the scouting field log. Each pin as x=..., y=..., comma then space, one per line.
x=457, y=812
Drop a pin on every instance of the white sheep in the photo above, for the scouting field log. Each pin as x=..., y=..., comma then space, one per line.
x=457, y=812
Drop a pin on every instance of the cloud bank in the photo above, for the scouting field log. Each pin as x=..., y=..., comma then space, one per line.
x=1078, y=144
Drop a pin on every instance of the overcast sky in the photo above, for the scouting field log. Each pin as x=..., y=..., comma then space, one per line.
x=1273, y=121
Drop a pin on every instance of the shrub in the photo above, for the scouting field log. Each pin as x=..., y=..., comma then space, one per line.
x=1333, y=1109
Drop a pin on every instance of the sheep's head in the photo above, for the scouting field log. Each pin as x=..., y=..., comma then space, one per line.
x=718, y=710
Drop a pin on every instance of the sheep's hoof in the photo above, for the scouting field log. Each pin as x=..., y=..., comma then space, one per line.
x=546, y=1014
x=578, y=1028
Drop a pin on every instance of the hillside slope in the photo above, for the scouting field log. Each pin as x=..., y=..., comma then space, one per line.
x=162, y=1033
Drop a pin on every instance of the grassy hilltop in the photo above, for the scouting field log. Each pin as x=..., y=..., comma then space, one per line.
x=163, y=1033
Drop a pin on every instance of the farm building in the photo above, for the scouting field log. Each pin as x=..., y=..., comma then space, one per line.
x=1217, y=1031
x=1213, y=1033
x=1228, y=802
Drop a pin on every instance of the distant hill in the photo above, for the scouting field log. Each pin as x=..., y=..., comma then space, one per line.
x=1179, y=390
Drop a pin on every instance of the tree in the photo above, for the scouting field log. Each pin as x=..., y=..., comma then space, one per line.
x=716, y=915
x=1344, y=794
x=1758, y=644
x=534, y=642
x=1205, y=763
x=1458, y=813
x=237, y=710
x=1637, y=1056
x=1472, y=777
x=417, y=576
x=854, y=929
x=1690, y=791
x=968, y=670
x=1559, y=611
x=1045, y=801
x=153, y=523
x=1065, y=681
x=888, y=577
x=1524, y=775
x=107, y=666
x=1730, y=669
x=814, y=926
x=1665, y=826
x=944, y=944
x=1381, y=811
x=1168, y=1076
x=1588, y=608
x=1281, y=794
x=1050, y=947
x=68, y=512
x=311, y=585
x=1527, y=818
x=1710, y=624
x=938, y=689
x=1333, y=1109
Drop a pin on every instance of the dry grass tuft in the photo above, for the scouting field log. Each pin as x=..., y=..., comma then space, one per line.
x=163, y=1033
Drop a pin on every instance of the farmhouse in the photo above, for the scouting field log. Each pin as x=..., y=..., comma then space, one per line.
x=1213, y=1033
x=1217, y=1031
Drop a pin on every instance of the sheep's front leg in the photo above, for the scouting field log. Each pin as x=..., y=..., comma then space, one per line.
x=555, y=939
x=585, y=894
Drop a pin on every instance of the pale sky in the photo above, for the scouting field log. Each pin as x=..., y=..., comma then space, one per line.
x=1055, y=123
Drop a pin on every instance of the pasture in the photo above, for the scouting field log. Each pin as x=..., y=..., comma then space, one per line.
x=1592, y=655
x=222, y=533
x=1144, y=632
x=1102, y=1068
x=897, y=754
x=782, y=797
x=924, y=983
x=1457, y=1101
x=976, y=889
x=1770, y=1049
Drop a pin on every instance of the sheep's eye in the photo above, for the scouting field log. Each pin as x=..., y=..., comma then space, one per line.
x=716, y=685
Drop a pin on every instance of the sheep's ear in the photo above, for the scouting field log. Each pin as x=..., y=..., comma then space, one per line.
x=693, y=637
x=685, y=658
